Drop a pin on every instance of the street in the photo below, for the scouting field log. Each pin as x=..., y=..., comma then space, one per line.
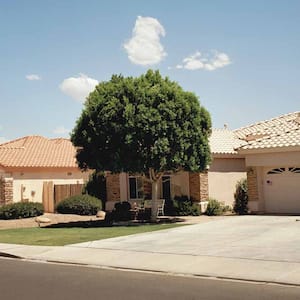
x=31, y=280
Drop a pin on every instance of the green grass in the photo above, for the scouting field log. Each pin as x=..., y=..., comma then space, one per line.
x=65, y=236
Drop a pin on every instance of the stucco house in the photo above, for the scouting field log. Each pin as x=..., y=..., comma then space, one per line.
x=32, y=166
x=267, y=153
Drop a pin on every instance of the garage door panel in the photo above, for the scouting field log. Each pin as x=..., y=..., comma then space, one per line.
x=282, y=190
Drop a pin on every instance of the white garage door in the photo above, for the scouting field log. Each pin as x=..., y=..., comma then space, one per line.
x=282, y=190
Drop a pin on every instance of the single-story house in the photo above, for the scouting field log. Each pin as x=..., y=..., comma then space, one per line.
x=38, y=169
x=267, y=153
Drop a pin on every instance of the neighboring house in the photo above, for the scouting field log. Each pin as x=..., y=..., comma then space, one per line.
x=31, y=167
x=267, y=153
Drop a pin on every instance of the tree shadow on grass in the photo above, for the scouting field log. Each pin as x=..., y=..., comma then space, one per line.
x=104, y=223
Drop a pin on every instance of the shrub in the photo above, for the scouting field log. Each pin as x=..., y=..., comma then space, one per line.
x=121, y=212
x=241, y=197
x=214, y=208
x=79, y=205
x=21, y=210
x=184, y=206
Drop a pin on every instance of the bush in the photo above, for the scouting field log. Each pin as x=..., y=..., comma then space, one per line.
x=79, y=205
x=183, y=206
x=21, y=210
x=241, y=198
x=121, y=212
x=214, y=208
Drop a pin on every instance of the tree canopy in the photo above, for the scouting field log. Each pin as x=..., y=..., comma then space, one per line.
x=134, y=124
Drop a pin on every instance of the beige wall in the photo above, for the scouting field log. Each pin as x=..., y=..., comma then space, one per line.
x=273, y=159
x=223, y=174
x=32, y=182
x=180, y=184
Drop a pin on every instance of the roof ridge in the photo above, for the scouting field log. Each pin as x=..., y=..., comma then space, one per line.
x=265, y=121
x=25, y=138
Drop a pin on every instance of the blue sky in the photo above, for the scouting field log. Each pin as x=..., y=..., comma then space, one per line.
x=241, y=58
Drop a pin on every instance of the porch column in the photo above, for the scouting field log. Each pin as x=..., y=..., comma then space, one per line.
x=6, y=190
x=198, y=183
x=112, y=189
x=253, y=193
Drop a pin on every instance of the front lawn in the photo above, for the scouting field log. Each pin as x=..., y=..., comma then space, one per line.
x=65, y=236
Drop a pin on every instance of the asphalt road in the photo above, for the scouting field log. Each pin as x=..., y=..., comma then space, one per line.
x=30, y=280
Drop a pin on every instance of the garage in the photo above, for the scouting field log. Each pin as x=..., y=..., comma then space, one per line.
x=282, y=190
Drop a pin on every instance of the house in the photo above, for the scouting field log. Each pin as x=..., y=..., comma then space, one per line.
x=267, y=153
x=35, y=168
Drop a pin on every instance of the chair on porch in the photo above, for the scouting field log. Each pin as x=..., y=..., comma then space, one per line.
x=160, y=206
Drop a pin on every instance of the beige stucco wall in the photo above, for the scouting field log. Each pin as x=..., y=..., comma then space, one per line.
x=223, y=174
x=33, y=182
x=180, y=184
x=291, y=158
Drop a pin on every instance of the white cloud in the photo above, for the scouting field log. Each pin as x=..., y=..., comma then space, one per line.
x=61, y=130
x=33, y=77
x=144, y=47
x=212, y=62
x=78, y=87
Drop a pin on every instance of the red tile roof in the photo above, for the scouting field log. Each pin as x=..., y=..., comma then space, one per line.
x=38, y=151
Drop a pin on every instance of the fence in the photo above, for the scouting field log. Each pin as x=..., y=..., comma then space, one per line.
x=54, y=193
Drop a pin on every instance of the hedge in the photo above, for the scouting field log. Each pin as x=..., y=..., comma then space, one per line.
x=21, y=210
x=79, y=205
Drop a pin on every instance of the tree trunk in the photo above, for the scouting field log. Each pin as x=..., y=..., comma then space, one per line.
x=154, y=200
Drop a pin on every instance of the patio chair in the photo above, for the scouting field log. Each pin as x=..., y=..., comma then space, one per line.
x=160, y=206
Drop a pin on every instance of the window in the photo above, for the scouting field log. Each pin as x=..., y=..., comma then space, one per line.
x=294, y=170
x=136, y=190
x=276, y=171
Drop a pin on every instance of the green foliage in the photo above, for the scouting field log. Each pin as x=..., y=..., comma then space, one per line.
x=215, y=208
x=184, y=206
x=79, y=205
x=21, y=210
x=134, y=124
x=96, y=186
x=241, y=197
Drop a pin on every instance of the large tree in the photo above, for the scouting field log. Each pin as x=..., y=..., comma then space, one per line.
x=146, y=125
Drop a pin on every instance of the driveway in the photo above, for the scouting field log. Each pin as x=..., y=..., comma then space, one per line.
x=269, y=238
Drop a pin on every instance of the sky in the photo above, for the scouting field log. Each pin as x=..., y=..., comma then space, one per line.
x=241, y=58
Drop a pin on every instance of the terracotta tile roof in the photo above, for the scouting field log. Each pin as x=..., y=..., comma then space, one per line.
x=38, y=151
x=282, y=131
x=223, y=141
x=290, y=138
x=266, y=128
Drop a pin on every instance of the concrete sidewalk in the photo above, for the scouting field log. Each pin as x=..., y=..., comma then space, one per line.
x=264, y=249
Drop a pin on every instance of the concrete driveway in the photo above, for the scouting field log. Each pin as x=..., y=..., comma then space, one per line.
x=269, y=238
